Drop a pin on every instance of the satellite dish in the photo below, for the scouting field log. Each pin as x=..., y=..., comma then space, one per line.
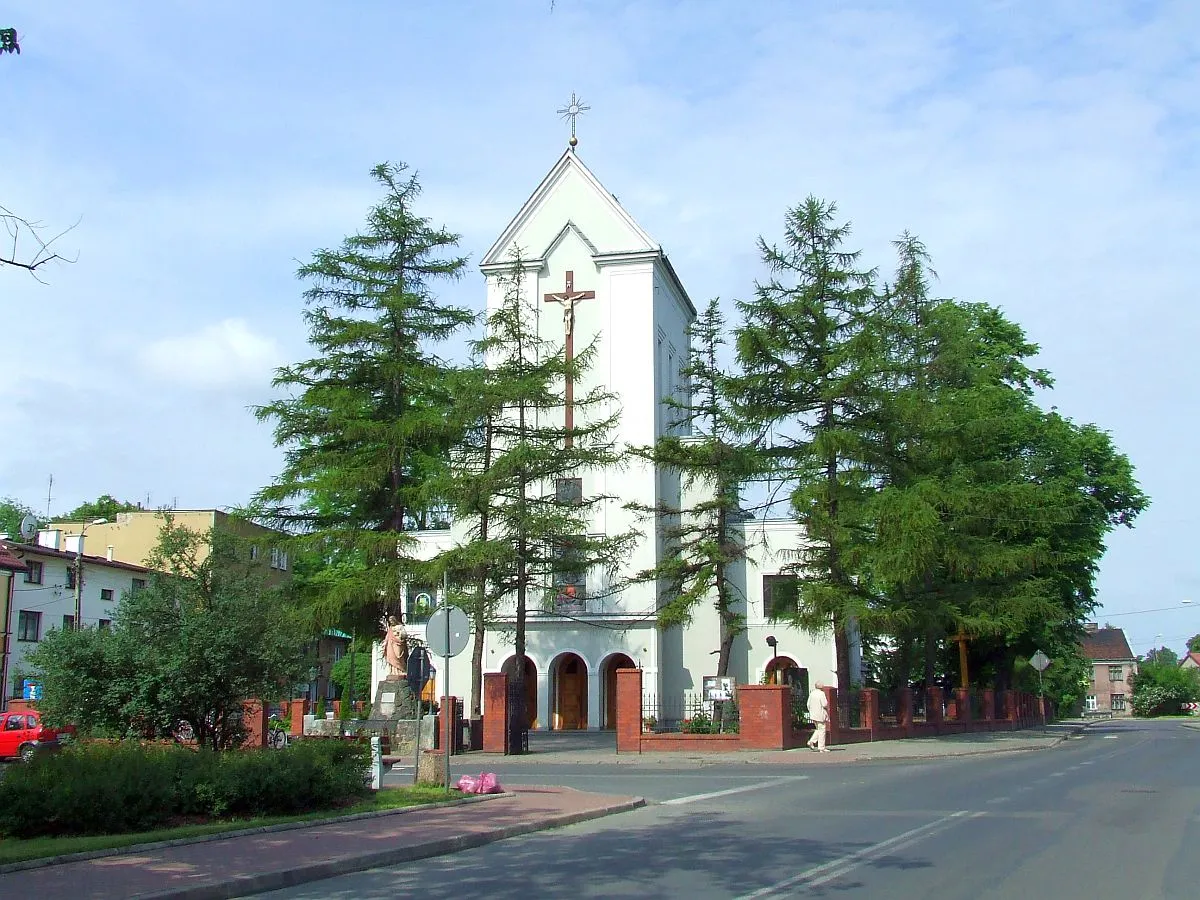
x=29, y=527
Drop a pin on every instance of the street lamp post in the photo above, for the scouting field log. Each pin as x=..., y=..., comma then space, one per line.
x=79, y=572
x=774, y=645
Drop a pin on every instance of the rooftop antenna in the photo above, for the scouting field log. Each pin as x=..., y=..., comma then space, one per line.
x=49, y=488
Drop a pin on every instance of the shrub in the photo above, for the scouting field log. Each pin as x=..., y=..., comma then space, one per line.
x=103, y=788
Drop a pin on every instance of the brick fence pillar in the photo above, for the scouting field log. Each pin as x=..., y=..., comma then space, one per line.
x=834, y=727
x=629, y=710
x=254, y=717
x=904, y=710
x=495, y=712
x=450, y=724
x=296, y=715
x=765, y=717
x=1011, y=711
x=933, y=706
x=962, y=702
x=870, y=709
x=989, y=704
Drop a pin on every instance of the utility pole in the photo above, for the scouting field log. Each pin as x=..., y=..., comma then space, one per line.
x=79, y=573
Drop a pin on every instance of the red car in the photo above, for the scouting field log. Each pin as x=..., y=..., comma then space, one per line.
x=22, y=734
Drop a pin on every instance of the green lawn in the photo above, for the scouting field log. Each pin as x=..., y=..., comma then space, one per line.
x=15, y=850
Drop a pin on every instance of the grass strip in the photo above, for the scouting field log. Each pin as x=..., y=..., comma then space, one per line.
x=16, y=850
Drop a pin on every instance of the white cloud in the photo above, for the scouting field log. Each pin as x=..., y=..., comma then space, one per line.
x=226, y=354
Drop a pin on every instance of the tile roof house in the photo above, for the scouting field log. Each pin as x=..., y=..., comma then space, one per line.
x=1113, y=665
x=1192, y=660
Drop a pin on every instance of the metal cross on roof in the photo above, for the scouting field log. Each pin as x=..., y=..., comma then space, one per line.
x=572, y=111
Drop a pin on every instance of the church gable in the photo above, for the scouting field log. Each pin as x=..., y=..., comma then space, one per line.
x=570, y=198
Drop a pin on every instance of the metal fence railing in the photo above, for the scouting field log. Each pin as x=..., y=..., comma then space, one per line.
x=919, y=700
x=850, y=711
x=889, y=709
x=689, y=713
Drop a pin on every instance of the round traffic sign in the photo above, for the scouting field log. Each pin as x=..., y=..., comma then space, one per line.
x=448, y=631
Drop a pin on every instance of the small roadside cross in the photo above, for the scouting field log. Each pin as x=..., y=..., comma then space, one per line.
x=568, y=298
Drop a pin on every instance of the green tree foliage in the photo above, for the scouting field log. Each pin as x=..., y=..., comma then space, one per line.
x=206, y=633
x=105, y=506
x=531, y=538
x=360, y=661
x=704, y=539
x=807, y=361
x=12, y=511
x=1193, y=643
x=1162, y=686
x=1163, y=656
x=365, y=423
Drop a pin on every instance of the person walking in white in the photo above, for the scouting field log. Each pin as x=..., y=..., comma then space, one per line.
x=818, y=711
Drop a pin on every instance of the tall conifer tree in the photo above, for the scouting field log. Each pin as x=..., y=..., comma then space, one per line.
x=364, y=423
x=523, y=482
x=704, y=539
x=808, y=373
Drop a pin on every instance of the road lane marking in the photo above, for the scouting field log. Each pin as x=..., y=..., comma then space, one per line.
x=696, y=798
x=1057, y=774
x=999, y=799
x=1111, y=737
x=835, y=868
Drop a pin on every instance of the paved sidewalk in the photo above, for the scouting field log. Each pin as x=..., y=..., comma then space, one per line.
x=945, y=746
x=236, y=866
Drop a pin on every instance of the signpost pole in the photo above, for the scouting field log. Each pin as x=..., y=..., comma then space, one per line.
x=1041, y=700
x=422, y=674
x=447, y=713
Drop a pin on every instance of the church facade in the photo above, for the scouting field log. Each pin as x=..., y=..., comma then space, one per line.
x=576, y=240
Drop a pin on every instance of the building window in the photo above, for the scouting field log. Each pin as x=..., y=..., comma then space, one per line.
x=33, y=572
x=781, y=596
x=568, y=490
x=70, y=578
x=104, y=624
x=139, y=584
x=253, y=552
x=1091, y=703
x=279, y=559
x=29, y=625
x=68, y=623
x=1116, y=702
x=1092, y=675
x=1116, y=673
x=106, y=595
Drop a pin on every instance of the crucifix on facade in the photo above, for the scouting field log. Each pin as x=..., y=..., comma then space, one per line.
x=568, y=298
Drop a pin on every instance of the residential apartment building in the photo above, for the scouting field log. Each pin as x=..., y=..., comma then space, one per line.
x=41, y=592
x=131, y=536
x=1113, y=668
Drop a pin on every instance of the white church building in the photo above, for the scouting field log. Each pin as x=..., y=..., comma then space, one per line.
x=572, y=229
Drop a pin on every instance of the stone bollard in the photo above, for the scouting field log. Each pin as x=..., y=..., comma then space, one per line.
x=431, y=767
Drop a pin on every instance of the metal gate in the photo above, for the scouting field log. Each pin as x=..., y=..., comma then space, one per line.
x=516, y=734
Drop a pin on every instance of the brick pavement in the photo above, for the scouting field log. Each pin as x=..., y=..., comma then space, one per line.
x=236, y=866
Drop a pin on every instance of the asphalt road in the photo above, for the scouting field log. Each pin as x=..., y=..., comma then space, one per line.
x=1114, y=813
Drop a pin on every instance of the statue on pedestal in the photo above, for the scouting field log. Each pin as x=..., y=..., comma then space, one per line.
x=395, y=647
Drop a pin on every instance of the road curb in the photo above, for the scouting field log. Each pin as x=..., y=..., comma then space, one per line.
x=85, y=855
x=273, y=881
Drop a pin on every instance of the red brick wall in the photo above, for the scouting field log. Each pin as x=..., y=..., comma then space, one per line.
x=765, y=717
x=629, y=710
x=495, y=711
x=689, y=742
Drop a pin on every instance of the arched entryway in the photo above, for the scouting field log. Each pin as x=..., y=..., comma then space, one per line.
x=568, y=693
x=510, y=669
x=783, y=670
x=608, y=680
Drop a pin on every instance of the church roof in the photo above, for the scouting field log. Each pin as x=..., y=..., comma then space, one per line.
x=619, y=233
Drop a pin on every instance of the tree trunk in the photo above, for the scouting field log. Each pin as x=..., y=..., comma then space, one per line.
x=480, y=624
x=931, y=651
x=841, y=643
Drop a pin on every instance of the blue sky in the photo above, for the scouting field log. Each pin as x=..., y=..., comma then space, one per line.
x=1044, y=152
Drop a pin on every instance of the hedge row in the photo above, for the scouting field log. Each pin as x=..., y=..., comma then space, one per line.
x=101, y=788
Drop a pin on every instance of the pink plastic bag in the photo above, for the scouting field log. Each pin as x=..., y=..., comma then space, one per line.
x=488, y=784
x=468, y=784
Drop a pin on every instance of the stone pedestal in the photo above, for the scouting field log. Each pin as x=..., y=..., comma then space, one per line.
x=431, y=768
x=394, y=699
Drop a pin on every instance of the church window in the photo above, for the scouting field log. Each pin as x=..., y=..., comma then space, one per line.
x=781, y=596
x=568, y=491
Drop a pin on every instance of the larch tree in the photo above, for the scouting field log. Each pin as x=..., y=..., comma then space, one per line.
x=807, y=366
x=364, y=423
x=708, y=447
x=523, y=479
